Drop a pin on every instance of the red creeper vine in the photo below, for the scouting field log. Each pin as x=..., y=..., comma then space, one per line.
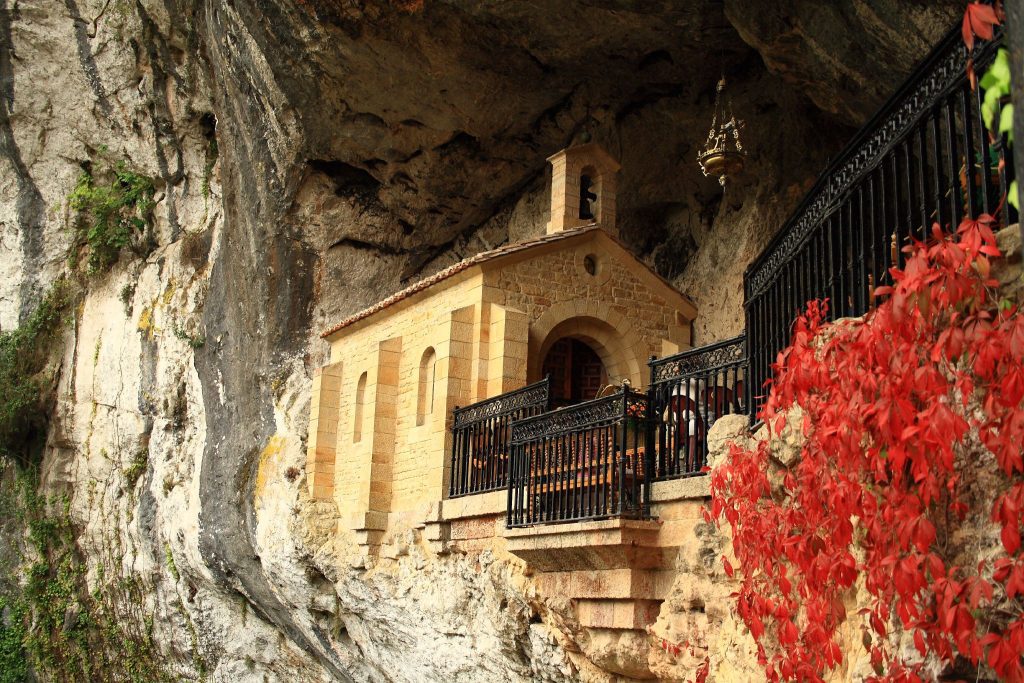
x=901, y=410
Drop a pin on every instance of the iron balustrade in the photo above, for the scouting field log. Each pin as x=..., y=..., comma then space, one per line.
x=688, y=392
x=480, y=438
x=926, y=157
x=587, y=461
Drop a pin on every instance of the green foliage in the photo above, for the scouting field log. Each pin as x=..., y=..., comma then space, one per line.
x=169, y=559
x=56, y=625
x=195, y=341
x=137, y=467
x=996, y=84
x=23, y=355
x=111, y=213
x=13, y=667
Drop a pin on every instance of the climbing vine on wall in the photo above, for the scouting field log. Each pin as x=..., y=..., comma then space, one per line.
x=58, y=624
x=901, y=410
x=24, y=352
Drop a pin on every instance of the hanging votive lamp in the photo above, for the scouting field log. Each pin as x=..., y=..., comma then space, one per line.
x=722, y=154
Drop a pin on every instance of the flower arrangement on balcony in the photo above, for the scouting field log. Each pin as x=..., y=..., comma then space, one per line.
x=635, y=415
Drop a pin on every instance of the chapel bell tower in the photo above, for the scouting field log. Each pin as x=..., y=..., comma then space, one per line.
x=582, y=188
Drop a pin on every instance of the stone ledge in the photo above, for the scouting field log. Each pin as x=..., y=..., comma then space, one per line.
x=617, y=614
x=612, y=584
x=371, y=520
x=585, y=526
x=589, y=545
x=477, y=505
x=681, y=489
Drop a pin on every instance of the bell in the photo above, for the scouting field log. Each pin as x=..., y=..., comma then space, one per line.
x=722, y=154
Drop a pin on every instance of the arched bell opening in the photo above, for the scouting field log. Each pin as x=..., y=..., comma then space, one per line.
x=590, y=194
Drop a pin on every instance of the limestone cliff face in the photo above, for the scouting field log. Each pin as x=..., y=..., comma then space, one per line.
x=308, y=158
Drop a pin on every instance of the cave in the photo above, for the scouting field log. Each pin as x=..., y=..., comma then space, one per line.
x=255, y=176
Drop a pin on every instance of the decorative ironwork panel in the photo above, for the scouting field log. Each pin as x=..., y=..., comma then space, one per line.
x=702, y=359
x=480, y=438
x=589, y=461
x=925, y=89
x=581, y=416
x=510, y=402
x=928, y=156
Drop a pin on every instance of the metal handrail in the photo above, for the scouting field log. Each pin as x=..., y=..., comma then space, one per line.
x=687, y=393
x=925, y=157
x=480, y=438
x=587, y=461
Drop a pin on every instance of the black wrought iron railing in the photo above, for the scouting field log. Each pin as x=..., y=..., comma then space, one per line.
x=582, y=462
x=927, y=157
x=688, y=392
x=481, y=436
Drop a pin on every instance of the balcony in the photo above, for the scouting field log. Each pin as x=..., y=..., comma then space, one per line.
x=582, y=462
x=597, y=459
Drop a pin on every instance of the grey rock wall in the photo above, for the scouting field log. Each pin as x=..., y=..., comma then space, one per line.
x=360, y=145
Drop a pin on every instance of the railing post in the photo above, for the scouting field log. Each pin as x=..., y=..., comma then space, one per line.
x=652, y=418
x=512, y=482
x=453, y=473
x=623, y=445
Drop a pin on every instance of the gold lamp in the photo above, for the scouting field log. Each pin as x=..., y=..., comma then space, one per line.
x=722, y=154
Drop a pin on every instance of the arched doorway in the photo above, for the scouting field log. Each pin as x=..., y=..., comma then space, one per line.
x=577, y=372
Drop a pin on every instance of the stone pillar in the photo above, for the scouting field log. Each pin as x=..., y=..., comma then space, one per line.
x=455, y=374
x=321, y=448
x=509, y=349
x=385, y=417
x=479, y=372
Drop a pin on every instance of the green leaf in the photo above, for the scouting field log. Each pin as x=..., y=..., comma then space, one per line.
x=989, y=106
x=999, y=73
x=1014, y=197
x=1006, y=121
x=996, y=84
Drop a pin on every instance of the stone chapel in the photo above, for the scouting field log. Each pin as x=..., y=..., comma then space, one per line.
x=574, y=305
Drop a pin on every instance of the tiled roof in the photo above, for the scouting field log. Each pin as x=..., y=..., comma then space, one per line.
x=456, y=269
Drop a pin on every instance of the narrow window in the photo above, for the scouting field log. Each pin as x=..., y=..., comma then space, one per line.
x=357, y=427
x=588, y=195
x=425, y=395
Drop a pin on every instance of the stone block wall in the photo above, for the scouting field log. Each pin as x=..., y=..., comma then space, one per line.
x=622, y=316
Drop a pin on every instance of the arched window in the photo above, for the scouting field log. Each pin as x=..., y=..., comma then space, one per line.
x=357, y=427
x=588, y=194
x=425, y=394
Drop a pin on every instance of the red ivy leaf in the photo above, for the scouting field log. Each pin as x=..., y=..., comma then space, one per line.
x=1010, y=536
x=978, y=21
x=919, y=642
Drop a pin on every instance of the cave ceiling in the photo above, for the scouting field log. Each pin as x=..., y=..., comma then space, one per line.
x=428, y=119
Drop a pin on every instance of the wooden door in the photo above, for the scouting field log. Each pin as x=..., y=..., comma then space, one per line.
x=576, y=371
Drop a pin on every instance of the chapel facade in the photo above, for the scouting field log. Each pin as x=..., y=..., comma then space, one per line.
x=574, y=305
